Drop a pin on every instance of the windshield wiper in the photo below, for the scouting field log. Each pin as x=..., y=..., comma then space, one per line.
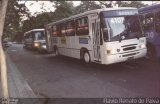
x=123, y=36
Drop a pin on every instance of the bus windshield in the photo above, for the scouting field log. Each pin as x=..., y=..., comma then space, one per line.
x=39, y=35
x=122, y=27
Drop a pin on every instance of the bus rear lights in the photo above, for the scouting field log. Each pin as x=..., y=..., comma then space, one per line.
x=142, y=46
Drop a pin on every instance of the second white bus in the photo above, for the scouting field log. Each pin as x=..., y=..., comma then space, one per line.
x=104, y=36
x=34, y=39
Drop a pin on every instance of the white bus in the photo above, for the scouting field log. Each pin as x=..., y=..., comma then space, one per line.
x=104, y=36
x=35, y=39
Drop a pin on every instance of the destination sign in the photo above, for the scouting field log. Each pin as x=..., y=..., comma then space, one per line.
x=119, y=13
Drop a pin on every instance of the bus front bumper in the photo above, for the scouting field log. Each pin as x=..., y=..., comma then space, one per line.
x=121, y=57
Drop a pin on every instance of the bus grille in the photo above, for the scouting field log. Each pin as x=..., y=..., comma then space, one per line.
x=129, y=54
x=129, y=48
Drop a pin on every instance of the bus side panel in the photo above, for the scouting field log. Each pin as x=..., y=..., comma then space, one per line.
x=61, y=44
x=153, y=37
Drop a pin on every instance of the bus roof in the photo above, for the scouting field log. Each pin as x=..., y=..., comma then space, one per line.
x=149, y=8
x=34, y=30
x=92, y=11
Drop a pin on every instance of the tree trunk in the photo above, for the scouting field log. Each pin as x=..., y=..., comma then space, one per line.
x=3, y=8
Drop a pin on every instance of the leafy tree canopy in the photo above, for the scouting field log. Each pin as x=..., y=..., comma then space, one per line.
x=14, y=16
x=85, y=6
x=63, y=9
x=136, y=4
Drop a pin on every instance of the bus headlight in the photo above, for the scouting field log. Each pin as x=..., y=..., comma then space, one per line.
x=142, y=46
x=36, y=44
x=111, y=51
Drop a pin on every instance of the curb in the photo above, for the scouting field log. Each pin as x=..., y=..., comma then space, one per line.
x=17, y=85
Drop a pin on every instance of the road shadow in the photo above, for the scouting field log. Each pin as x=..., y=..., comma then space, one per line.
x=80, y=65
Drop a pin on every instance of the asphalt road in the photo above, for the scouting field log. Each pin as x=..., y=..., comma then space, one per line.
x=54, y=77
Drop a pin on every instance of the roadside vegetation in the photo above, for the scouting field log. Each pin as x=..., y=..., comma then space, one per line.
x=16, y=25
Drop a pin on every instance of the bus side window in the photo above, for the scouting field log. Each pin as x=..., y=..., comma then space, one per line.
x=70, y=28
x=30, y=35
x=33, y=36
x=58, y=30
x=148, y=23
x=82, y=26
x=62, y=29
x=54, y=30
x=26, y=36
x=157, y=22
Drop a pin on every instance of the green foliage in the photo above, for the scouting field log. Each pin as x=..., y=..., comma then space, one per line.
x=85, y=6
x=63, y=9
x=13, y=19
x=136, y=4
x=107, y=4
x=37, y=21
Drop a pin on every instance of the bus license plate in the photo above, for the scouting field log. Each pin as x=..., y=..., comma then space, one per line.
x=130, y=58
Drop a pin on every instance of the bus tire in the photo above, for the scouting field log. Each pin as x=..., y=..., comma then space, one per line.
x=86, y=57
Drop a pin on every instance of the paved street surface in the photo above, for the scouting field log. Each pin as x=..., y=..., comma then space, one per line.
x=53, y=77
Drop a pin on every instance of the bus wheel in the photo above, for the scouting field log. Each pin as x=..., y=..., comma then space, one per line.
x=86, y=57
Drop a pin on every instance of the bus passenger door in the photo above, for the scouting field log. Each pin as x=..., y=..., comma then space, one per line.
x=49, y=40
x=96, y=39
